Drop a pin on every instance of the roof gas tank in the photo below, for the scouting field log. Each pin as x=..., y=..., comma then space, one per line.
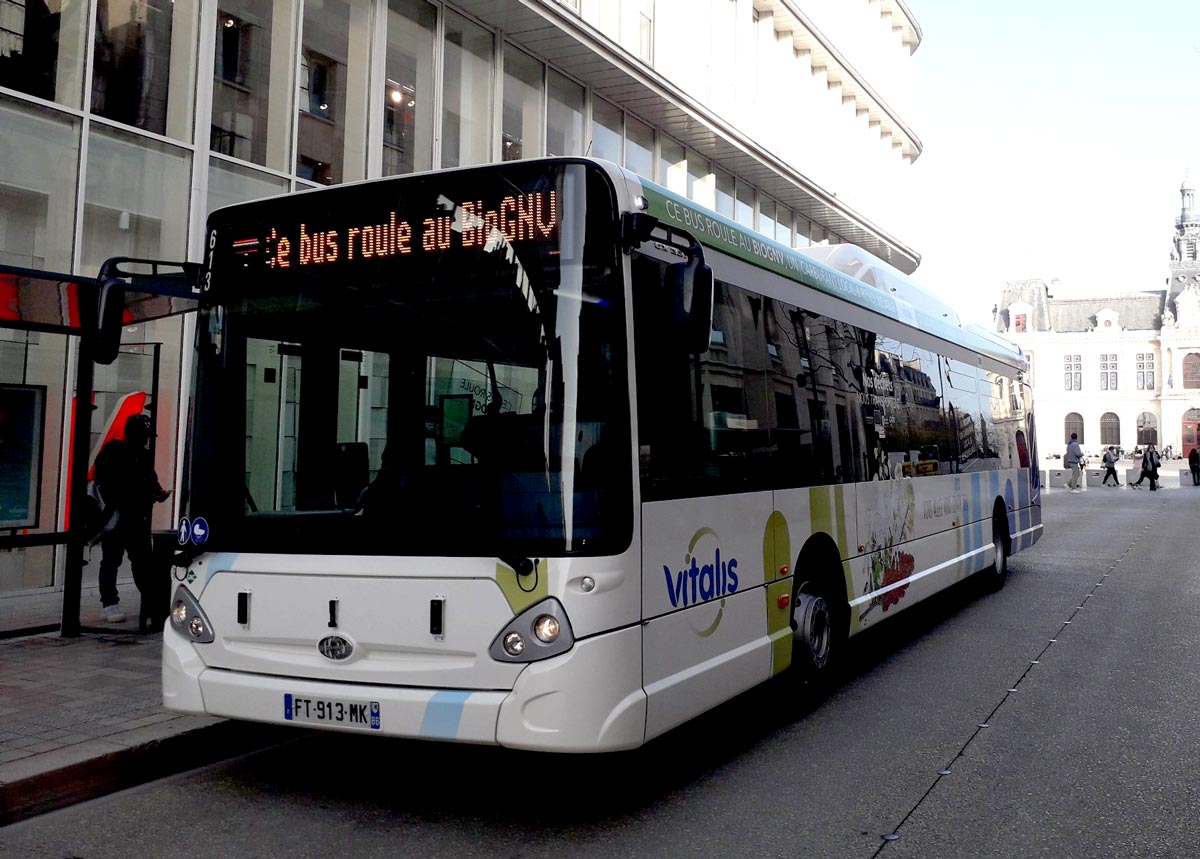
x=864, y=266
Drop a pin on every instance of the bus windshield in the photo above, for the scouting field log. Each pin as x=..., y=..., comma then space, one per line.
x=430, y=365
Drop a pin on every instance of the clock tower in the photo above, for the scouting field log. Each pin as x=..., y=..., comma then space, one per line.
x=1185, y=255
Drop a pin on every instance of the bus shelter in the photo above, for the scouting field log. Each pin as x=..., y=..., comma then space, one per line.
x=41, y=422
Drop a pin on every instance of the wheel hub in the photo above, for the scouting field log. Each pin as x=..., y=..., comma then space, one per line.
x=813, y=626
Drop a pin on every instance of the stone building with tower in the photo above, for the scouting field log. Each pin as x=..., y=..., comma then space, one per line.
x=1119, y=370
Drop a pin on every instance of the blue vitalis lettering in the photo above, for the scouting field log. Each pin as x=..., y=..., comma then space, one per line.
x=701, y=582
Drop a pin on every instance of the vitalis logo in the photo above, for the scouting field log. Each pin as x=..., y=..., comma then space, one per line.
x=698, y=582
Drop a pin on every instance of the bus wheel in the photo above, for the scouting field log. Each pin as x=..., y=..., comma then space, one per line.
x=1000, y=545
x=814, y=632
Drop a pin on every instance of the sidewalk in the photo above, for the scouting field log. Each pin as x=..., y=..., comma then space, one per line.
x=82, y=717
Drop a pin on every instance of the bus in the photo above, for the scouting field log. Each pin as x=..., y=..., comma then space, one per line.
x=542, y=455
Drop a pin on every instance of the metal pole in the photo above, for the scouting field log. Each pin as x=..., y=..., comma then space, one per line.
x=81, y=436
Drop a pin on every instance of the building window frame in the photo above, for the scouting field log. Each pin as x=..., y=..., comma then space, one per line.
x=1073, y=423
x=1191, y=370
x=1144, y=365
x=1110, y=429
x=1108, y=372
x=1072, y=373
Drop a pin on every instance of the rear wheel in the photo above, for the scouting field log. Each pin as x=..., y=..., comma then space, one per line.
x=813, y=630
x=1001, y=544
x=818, y=635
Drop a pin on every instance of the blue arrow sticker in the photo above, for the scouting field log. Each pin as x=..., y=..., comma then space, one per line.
x=199, y=531
x=184, y=531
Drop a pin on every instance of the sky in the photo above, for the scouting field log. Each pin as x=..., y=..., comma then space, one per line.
x=1056, y=134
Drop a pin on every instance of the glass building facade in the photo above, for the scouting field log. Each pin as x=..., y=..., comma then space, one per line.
x=123, y=124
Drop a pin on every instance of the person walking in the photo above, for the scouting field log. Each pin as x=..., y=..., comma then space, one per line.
x=1194, y=465
x=1074, y=461
x=1110, y=467
x=128, y=485
x=1150, y=464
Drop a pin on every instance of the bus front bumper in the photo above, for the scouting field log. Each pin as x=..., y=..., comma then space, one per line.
x=588, y=699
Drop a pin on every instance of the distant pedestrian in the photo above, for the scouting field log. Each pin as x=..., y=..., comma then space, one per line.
x=1074, y=461
x=1150, y=464
x=1110, y=467
x=1194, y=465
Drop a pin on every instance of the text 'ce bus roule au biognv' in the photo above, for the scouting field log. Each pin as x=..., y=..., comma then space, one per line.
x=524, y=217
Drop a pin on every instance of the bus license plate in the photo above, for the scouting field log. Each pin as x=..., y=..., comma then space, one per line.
x=331, y=711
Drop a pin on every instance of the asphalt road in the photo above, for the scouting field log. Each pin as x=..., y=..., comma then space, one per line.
x=1055, y=718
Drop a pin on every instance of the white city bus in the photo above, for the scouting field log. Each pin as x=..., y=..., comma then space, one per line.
x=539, y=454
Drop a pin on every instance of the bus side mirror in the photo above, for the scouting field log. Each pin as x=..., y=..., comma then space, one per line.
x=693, y=282
x=110, y=319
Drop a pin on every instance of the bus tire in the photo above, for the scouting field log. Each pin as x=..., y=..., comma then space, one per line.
x=997, y=574
x=818, y=626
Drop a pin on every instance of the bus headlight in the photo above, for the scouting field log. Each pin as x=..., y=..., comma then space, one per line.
x=514, y=645
x=188, y=619
x=539, y=632
x=546, y=628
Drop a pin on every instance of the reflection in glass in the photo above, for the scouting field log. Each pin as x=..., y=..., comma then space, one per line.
x=803, y=228
x=408, y=96
x=725, y=191
x=766, y=216
x=783, y=226
x=466, y=93
x=142, y=71
x=564, y=116
x=252, y=74
x=332, y=106
x=639, y=147
x=38, y=154
x=606, y=131
x=135, y=199
x=672, y=165
x=743, y=210
x=42, y=47
x=522, y=133
x=232, y=183
x=699, y=184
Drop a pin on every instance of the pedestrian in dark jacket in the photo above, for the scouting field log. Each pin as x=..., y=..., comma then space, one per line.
x=1110, y=467
x=129, y=489
x=1150, y=464
x=1194, y=465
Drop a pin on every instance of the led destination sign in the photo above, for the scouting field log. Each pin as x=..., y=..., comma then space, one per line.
x=469, y=226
